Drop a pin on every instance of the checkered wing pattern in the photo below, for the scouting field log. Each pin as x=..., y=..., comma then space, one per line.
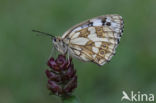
x=96, y=39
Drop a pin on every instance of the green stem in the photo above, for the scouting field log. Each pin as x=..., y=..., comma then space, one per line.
x=70, y=99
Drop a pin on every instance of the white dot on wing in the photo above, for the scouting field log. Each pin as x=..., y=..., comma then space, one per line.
x=96, y=22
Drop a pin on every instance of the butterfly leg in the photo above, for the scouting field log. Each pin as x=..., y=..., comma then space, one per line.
x=52, y=52
x=68, y=55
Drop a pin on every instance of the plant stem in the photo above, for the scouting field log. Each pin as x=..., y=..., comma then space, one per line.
x=70, y=99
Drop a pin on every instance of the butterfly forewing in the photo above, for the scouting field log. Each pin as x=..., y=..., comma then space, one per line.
x=95, y=39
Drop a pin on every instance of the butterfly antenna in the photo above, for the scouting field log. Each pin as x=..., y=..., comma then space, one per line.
x=43, y=33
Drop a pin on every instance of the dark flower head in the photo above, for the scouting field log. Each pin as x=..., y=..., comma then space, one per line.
x=62, y=79
x=61, y=61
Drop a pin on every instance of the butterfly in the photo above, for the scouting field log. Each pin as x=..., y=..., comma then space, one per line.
x=94, y=40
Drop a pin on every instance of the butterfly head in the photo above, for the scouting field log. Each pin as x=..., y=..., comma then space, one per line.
x=59, y=44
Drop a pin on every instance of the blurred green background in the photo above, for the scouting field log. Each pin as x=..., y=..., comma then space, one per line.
x=24, y=55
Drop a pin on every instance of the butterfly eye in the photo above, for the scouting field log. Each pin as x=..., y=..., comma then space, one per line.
x=54, y=39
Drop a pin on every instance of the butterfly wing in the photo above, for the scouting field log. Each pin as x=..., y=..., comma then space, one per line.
x=95, y=39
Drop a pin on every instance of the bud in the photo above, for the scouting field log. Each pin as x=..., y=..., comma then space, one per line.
x=62, y=79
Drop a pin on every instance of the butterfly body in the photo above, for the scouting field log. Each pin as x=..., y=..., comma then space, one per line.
x=60, y=45
x=93, y=40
